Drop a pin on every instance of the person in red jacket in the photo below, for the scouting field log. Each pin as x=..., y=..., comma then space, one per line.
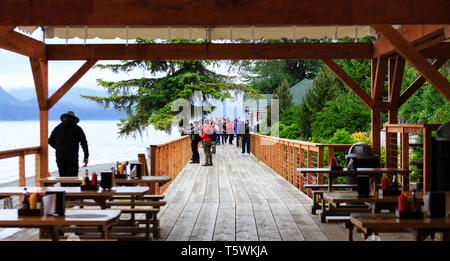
x=207, y=131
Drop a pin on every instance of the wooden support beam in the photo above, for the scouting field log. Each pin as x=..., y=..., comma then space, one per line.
x=347, y=80
x=70, y=83
x=39, y=68
x=22, y=44
x=380, y=76
x=222, y=12
x=396, y=69
x=205, y=51
x=4, y=31
x=415, y=59
x=440, y=50
x=418, y=83
x=420, y=36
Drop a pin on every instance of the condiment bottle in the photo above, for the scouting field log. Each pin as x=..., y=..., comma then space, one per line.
x=333, y=162
x=25, y=204
x=86, y=173
x=384, y=183
x=94, y=179
x=413, y=202
x=32, y=200
x=402, y=203
x=38, y=200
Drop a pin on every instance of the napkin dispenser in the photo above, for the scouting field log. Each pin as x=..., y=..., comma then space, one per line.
x=138, y=170
x=363, y=185
x=60, y=206
x=106, y=179
x=435, y=204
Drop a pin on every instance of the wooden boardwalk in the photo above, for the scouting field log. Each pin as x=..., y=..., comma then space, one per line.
x=238, y=199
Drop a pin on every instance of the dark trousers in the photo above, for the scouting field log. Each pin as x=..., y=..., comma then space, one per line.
x=230, y=138
x=246, y=143
x=195, y=155
x=67, y=167
x=222, y=137
x=207, y=150
x=238, y=137
x=225, y=138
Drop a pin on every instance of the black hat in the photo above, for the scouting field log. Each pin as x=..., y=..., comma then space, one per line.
x=70, y=114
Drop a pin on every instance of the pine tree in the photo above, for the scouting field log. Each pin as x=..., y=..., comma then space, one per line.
x=284, y=95
x=148, y=101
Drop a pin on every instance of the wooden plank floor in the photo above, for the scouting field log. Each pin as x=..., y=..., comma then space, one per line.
x=238, y=199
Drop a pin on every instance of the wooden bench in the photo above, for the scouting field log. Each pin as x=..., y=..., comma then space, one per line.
x=342, y=219
x=317, y=194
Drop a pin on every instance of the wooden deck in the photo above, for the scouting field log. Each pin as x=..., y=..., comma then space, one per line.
x=238, y=199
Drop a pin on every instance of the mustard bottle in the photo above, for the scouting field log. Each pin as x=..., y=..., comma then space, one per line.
x=32, y=201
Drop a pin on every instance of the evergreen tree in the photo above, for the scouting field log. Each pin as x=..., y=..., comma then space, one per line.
x=148, y=101
x=284, y=95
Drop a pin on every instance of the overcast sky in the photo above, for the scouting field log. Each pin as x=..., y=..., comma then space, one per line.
x=15, y=69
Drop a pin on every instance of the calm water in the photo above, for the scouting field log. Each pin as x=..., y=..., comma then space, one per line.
x=104, y=144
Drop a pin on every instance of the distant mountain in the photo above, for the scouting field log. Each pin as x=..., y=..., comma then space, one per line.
x=21, y=104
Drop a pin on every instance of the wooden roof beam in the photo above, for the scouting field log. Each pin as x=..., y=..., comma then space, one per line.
x=418, y=83
x=347, y=80
x=4, y=31
x=204, y=51
x=70, y=83
x=417, y=60
x=222, y=12
x=396, y=69
x=421, y=36
x=22, y=44
x=39, y=68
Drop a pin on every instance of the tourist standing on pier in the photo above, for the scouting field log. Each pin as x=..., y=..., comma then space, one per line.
x=230, y=131
x=195, y=138
x=66, y=139
x=246, y=138
x=224, y=131
x=206, y=138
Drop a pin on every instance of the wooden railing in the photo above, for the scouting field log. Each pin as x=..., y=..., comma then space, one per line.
x=284, y=156
x=21, y=153
x=168, y=159
x=391, y=148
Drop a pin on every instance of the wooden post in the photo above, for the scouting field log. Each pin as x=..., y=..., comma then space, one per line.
x=37, y=169
x=295, y=179
x=154, y=165
x=405, y=157
x=320, y=165
x=310, y=165
x=427, y=163
x=302, y=164
x=22, y=181
x=143, y=161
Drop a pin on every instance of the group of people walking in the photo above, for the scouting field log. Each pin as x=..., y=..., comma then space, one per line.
x=217, y=132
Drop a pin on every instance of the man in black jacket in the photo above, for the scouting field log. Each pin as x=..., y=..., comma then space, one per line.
x=66, y=139
x=195, y=138
x=246, y=138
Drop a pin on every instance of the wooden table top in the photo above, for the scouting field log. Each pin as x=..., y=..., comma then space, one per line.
x=10, y=218
x=76, y=191
x=388, y=221
x=359, y=171
x=128, y=180
x=352, y=197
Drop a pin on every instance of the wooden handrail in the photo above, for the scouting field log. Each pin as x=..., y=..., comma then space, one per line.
x=168, y=159
x=18, y=152
x=21, y=153
x=284, y=156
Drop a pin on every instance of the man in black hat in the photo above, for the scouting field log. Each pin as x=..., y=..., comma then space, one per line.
x=66, y=139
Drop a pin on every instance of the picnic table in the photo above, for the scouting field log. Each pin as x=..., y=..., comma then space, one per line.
x=50, y=225
x=123, y=197
x=387, y=222
x=374, y=173
x=143, y=181
x=374, y=203
x=73, y=193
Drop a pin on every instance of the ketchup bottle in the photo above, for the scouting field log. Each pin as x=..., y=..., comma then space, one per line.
x=332, y=162
x=384, y=183
x=402, y=203
x=94, y=179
